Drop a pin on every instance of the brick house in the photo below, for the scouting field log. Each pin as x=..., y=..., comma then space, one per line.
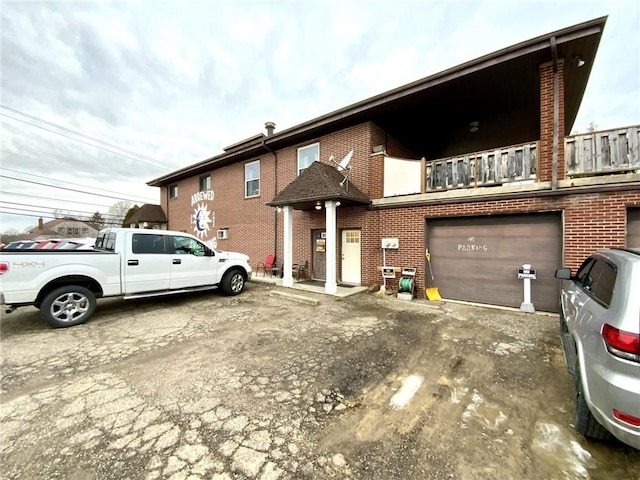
x=472, y=164
x=67, y=227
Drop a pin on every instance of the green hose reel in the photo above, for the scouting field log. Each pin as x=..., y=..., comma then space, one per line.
x=407, y=282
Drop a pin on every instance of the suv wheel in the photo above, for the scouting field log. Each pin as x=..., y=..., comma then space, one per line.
x=583, y=420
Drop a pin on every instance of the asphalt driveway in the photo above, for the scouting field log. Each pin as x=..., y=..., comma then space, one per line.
x=275, y=385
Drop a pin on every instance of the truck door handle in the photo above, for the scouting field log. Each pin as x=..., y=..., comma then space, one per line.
x=132, y=262
x=177, y=261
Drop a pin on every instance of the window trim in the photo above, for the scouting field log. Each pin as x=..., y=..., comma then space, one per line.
x=306, y=147
x=207, y=179
x=246, y=181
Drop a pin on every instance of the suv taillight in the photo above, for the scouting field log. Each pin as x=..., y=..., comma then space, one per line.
x=4, y=268
x=622, y=344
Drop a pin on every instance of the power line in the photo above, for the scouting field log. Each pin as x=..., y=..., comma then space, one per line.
x=155, y=164
x=64, y=188
x=33, y=117
x=73, y=183
x=109, y=215
x=51, y=198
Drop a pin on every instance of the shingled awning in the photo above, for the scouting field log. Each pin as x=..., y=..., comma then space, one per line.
x=148, y=213
x=318, y=183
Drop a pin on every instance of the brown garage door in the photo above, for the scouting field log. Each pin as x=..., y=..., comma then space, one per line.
x=633, y=228
x=477, y=258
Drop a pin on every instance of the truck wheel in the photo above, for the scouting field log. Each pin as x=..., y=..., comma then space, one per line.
x=233, y=282
x=68, y=306
x=584, y=421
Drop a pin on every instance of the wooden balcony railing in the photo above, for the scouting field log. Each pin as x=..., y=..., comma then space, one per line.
x=492, y=167
x=603, y=152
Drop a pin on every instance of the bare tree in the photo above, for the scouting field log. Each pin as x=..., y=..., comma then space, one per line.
x=116, y=214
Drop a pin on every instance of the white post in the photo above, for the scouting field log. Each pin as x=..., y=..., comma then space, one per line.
x=330, y=284
x=527, y=306
x=287, y=279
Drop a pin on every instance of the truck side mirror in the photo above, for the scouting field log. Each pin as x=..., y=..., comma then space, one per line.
x=563, y=273
x=209, y=252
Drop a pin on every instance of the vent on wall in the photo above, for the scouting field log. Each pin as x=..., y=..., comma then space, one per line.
x=223, y=234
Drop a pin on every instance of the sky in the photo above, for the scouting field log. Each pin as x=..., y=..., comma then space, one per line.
x=98, y=98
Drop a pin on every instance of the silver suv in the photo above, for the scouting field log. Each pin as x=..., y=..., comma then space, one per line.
x=600, y=331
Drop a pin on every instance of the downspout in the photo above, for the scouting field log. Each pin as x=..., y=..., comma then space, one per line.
x=275, y=186
x=556, y=114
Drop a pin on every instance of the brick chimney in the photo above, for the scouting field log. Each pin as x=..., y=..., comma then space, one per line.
x=270, y=126
x=40, y=224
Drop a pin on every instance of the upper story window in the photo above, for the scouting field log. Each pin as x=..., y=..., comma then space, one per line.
x=252, y=179
x=307, y=155
x=205, y=183
x=173, y=191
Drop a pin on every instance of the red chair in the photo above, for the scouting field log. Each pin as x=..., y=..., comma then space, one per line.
x=267, y=265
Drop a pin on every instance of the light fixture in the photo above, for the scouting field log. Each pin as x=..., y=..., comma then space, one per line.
x=338, y=203
x=474, y=127
x=318, y=205
x=579, y=61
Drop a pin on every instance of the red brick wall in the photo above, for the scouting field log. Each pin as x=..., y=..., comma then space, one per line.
x=591, y=222
x=546, y=122
x=250, y=222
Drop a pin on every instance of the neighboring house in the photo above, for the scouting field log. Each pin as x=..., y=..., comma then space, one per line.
x=149, y=216
x=472, y=164
x=63, y=228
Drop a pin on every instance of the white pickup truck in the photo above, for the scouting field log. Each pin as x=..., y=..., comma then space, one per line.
x=133, y=263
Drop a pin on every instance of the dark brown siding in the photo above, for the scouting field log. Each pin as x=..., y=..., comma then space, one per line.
x=477, y=258
x=633, y=227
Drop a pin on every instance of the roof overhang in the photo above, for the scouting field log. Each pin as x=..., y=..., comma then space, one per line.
x=431, y=116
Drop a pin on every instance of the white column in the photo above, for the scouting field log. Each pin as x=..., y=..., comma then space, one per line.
x=330, y=285
x=287, y=279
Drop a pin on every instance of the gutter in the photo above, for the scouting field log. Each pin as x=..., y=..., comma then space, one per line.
x=542, y=193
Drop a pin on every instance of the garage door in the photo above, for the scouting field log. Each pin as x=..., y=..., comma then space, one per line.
x=633, y=228
x=477, y=258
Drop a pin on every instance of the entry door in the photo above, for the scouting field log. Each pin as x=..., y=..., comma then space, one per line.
x=351, y=257
x=319, y=254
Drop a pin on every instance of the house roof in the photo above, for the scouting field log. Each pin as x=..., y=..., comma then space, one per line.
x=49, y=228
x=319, y=182
x=431, y=116
x=148, y=213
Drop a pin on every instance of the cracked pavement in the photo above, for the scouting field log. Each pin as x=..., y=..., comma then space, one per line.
x=260, y=386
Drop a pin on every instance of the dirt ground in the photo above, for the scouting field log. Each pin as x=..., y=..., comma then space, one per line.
x=273, y=384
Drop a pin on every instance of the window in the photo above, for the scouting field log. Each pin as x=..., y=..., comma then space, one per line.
x=188, y=245
x=173, y=191
x=603, y=278
x=148, y=243
x=252, y=179
x=308, y=155
x=597, y=277
x=205, y=183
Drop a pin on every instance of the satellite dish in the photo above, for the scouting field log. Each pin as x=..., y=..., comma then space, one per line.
x=344, y=164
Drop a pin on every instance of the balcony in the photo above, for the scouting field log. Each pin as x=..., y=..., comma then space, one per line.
x=517, y=163
x=602, y=153
x=590, y=154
